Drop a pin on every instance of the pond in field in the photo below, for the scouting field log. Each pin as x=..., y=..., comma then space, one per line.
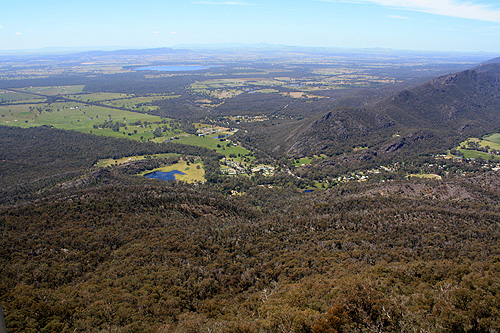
x=164, y=175
x=221, y=136
x=173, y=68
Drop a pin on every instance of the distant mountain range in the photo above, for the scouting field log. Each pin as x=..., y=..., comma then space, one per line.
x=131, y=52
x=235, y=47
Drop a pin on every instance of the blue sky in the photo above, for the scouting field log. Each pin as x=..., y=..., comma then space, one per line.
x=441, y=25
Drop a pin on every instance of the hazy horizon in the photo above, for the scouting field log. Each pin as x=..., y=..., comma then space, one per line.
x=440, y=25
x=222, y=47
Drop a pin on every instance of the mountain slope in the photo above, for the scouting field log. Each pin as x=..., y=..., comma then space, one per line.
x=465, y=102
x=434, y=115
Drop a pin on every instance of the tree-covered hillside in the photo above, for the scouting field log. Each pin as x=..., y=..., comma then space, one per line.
x=163, y=256
x=429, y=118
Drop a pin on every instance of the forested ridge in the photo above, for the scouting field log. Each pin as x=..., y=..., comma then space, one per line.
x=157, y=256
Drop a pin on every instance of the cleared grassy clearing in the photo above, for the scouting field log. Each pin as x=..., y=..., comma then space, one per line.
x=306, y=160
x=265, y=83
x=480, y=148
x=11, y=96
x=334, y=71
x=84, y=118
x=475, y=154
x=97, y=97
x=492, y=140
x=194, y=172
x=217, y=92
x=29, y=101
x=265, y=91
x=218, y=83
x=425, y=176
x=303, y=161
x=55, y=90
x=140, y=103
x=225, y=147
x=111, y=161
x=126, y=101
x=300, y=95
x=19, y=115
x=225, y=93
x=233, y=87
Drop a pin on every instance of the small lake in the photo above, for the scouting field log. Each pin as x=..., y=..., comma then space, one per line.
x=221, y=137
x=173, y=68
x=168, y=176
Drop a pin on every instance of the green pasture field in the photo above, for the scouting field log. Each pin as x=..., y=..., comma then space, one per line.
x=492, y=140
x=225, y=93
x=82, y=118
x=211, y=142
x=236, y=83
x=467, y=153
x=194, y=172
x=97, y=97
x=11, y=96
x=307, y=160
x=55, y=90
x=112, y=161
x=135, y=103
x=218, y=83
x=29, y=101
x=267, y=91
x=303, y=161
x=21, y=115
x=318, y=185
x=266, y=83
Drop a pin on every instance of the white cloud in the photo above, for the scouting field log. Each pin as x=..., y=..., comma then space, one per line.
x=19, y=33
x=209, y=2
x=173, y=32
x=156, y=32
x=398, y=17
x=1, y=26
x=454, y=8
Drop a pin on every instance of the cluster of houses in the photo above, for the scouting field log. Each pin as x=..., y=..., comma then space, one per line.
x=213, y=130
x=236, y=168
